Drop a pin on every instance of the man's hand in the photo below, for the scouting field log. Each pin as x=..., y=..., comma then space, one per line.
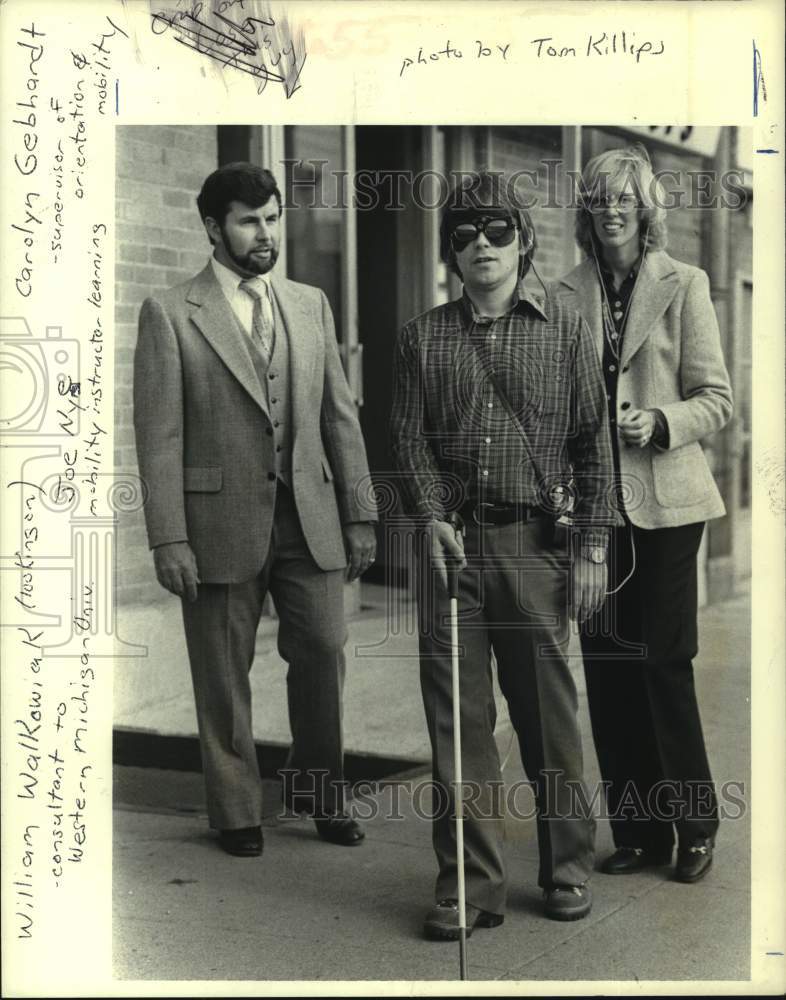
x=444, y=543
x=637, y=427
x=361, y=542
x=176, y=569
x=588, y=588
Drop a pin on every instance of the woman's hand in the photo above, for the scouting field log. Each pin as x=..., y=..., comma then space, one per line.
x=636, y=427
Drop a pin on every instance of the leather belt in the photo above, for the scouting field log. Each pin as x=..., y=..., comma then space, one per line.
x=484, y=513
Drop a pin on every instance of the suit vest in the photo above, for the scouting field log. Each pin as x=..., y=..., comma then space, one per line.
x=276, y=387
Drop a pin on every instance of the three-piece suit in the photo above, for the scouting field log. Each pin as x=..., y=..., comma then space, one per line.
x=257, y=463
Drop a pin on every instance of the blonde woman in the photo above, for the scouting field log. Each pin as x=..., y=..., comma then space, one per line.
x=667, y=388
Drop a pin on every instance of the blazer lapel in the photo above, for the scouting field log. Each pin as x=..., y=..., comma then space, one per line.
x=303, y=339
x=583, y=282
x=214, y=317
x=656, y=287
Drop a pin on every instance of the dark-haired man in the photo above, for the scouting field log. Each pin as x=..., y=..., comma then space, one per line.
x=498, y=413
x=254, y=465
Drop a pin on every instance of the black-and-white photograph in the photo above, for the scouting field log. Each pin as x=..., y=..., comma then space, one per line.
x=441, y=560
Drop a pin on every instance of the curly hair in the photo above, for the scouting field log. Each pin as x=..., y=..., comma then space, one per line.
x=629, y=162
x=475, y=191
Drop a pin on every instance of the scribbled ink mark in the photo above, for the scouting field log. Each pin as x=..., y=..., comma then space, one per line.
x=758, y=80
x=261, y=47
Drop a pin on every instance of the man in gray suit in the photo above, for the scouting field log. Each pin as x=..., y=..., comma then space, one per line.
x=255, y=470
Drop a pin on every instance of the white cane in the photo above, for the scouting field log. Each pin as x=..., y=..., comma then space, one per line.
x=453, y=573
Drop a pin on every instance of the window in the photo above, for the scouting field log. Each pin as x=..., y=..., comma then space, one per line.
x=315, y=190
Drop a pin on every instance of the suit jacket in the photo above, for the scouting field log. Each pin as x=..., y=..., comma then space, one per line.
x=205, y=441
x=671, y=360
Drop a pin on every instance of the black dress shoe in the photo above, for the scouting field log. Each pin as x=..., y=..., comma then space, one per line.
x=339, y=829
x=442, y=921
x=244, y=843
x=626, y=860
x=567, y=902
x=694, y=860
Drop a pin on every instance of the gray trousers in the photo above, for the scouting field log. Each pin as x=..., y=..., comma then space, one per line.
x=512, y=600
x=221, y=628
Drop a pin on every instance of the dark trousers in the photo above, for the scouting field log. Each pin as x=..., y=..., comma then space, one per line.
x=221, y=627
x=512, y=600
x=645, y=718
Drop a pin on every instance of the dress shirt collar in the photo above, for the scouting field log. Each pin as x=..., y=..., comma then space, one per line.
x=522, y=300
x=230, y=280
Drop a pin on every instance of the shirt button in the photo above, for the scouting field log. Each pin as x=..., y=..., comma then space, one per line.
x=617, y=304
x=485, y=472
x=612, y=368
x=493, y=336
x=490, y=405
x=488, y=440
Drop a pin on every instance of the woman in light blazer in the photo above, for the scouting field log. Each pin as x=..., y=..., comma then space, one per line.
x=667, y=387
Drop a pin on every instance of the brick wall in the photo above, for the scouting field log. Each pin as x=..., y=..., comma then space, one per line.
x=514, y=149
x=160, y=242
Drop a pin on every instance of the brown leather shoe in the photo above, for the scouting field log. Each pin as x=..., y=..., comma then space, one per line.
x=246, y=842
x=442, y=921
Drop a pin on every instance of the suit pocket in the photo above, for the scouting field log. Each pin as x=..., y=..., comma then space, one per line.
x=208, y=480
x=681, y=477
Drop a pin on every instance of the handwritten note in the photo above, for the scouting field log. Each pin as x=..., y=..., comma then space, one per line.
x=598, y=45
x=257, y=45
x=56, y=476
x=478, y=50
x=623, y=44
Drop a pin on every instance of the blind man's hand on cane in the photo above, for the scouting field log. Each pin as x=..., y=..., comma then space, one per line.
x=446, y=543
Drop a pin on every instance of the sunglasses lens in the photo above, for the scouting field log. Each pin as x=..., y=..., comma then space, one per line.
x=500, y=232
x=464, y=234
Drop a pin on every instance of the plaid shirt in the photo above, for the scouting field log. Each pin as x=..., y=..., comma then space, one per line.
x=455, y=439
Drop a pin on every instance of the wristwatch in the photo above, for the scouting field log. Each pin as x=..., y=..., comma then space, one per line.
x=594, y=553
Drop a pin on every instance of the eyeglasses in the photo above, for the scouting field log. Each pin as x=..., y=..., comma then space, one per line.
x=499, y=232
x=622, y=202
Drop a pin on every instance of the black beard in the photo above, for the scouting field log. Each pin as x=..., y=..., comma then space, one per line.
x=247, y=261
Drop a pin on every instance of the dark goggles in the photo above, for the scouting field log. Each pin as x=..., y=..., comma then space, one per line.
x=500, y=232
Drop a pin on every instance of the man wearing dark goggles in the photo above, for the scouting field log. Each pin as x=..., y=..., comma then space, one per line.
x=498, y=405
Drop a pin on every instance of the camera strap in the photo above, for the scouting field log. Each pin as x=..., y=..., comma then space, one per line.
x=566, y=494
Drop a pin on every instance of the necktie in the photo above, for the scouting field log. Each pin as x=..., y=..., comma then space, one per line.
x=262, y=332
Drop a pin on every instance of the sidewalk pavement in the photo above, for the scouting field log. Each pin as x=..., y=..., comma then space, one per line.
x=306, y=910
